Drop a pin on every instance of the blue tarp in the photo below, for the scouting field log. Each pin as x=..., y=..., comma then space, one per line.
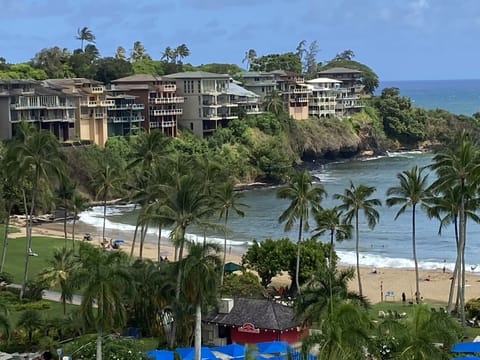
x=272, y=347
x=234, y=350
x=466, y=347
x=189, y=353
x=160, y=354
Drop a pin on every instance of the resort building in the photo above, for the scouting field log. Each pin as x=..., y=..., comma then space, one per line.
x=260, y=83
x=209, y=103
x=47, y=107
x=350, y=90
x=249, y=321
x=158, y=94
x=90, y=107
x=248, y=102
x=322, y=97
x=124, y=117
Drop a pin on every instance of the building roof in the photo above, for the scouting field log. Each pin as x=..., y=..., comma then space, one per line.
x=263, y=313
x=323, y=80
x=249, y=74
x=139, y=78
x=126, y=87
x=236, y=89
x=197, y=75
x=340, y=70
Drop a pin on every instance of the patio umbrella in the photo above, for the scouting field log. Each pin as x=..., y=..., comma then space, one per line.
x=233, y=350
x=466, y=347
x=189, y=353
x=160, y=354
x=272, y=347
x=231, y=267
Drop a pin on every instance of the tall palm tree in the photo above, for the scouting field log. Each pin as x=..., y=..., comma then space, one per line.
x=34, y=153
x=304, y=197
x=5, y=323
x=412, y=191
x=200, y=282
x=59, y=272
x=103, y=277
x=227, y=199
x=64, y=195
x=181, y=51
x=78, y=204
x=458, y=166
x=273, y=102
x=107, y=182
x=85, y=34
x=250, y=56
x=31, y=321
x=353, y=200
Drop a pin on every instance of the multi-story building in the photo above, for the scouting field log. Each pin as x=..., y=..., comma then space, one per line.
x=124, y=117
x=261, y=83
x=159, y=96
x=323, y=97
x=91, y=107
x=47, y=108
x=351, y=89
x=208, y=102
x=248, y=102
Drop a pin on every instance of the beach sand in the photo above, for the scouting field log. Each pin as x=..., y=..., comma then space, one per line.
x=385, y=280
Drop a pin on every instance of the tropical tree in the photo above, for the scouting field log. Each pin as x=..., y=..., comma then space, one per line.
x=353, y=200
x=103, y=277
x=78, y=204
x=85, y=34
x=120, y=53
x=227, y=199
x=31, y=321
x=107, y=181
x=64, y=195
x=200, y=282
x=250, y=56
x=138, y=53
x=34, y=153
x=5, y=323
x=412, y=191
x=458, y=166
x=304, y=197
x=273, y=102
x=59, y=273
x=180, y=52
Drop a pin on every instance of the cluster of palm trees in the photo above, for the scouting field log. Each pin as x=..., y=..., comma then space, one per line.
x=452, y=197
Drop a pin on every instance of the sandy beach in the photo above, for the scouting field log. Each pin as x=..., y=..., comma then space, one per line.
x=434, y=284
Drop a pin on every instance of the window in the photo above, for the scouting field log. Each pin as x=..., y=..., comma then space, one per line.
x=191, y=126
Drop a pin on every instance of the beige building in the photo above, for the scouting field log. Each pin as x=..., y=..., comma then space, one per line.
x=159, y=96
x=47, y=107
x=91, y=107
x=323, y=97
x=208, y=103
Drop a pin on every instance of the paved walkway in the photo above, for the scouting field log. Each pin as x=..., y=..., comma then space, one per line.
x=53, y=295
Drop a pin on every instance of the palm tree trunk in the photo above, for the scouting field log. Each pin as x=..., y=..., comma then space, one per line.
x=104, y=217
x=357, y=252
x=99, y=343
x=462, y=229
x=143, y=233
x=65, y=221
x=414, y=246
x=222, y=274
x=73, y=230
x=159, y=240
x=179, y=282
x=134, y=238
x=297, y=269
x=5, y=239
x=455, y=270
x=198, y=331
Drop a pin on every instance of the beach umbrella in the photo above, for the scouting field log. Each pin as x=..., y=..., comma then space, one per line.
x=272, y=347
x=160, y=354
x=233, y=350
x=466, y=347
x=231, y=267
x=189, y=353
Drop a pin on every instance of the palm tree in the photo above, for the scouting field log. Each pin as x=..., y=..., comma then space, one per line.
x=5, y=323
x=85, y=34
x=250, y=56
x=200, y=282
x=227, y=198
x=78, y=204
x=181, y=51
x=168, y=54
x=411, y=192
x=353, y=200
x=304, y=198
x=107, y=182
x=103, y=277
x=34, y=153
x=64, y=195
x=59, y=272
x=273, y=102
x=458, y=166
x=30, y=320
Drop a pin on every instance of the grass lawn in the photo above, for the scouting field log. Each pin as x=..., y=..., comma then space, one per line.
x=41, y=245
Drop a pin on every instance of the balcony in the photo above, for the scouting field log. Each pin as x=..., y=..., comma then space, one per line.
x=167, y=100
x=107, y=103
x=99, y=115
x=90, y=103
x=98, y=89
x=166, y=112
x=127, y=107
x=165, y=124
x=301, y=91
x=167, y=88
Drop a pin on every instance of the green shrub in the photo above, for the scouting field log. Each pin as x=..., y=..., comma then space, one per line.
x=32, y=305
x=473, y=307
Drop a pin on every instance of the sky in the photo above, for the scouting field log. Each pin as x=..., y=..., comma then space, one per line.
x=398, y=39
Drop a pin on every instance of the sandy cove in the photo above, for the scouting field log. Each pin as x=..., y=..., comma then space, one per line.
x=434, y=284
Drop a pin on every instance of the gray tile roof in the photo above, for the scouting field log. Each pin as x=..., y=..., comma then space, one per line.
x=235, y=89
x=138, y=78
x=263, y=313
x=339, y=70
x=197, y=75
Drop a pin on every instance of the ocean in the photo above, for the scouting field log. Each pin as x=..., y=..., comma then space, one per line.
x=389, y=243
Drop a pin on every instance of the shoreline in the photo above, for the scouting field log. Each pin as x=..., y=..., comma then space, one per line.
x=434, y=284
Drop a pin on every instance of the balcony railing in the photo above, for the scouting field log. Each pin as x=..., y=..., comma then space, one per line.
x=301, y=91
x=167, y=87
x=166, y=112
x=99, y=115
x=167, y=100
x=107, y=102
x=125, y=119
x=127, y=107
x=98, y=89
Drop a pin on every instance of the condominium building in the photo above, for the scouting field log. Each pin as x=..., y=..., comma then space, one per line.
x=248, y=102
x=47, y=108
x=209, y=103
x=323, y=97
x=90, y=107
x=124, y=117
x=159, y=96
x=260, y=83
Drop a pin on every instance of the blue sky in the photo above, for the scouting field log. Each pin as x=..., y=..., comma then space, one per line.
x=398, y=39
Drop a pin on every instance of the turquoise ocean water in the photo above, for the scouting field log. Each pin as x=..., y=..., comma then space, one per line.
x=389, y=244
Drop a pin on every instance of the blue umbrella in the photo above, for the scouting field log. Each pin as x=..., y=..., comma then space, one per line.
x=234, y=350
x=189, y=353
x=466, y=347
x=160, y=354
x=272, y=347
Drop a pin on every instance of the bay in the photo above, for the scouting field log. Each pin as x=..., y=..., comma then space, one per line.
x=389, y=244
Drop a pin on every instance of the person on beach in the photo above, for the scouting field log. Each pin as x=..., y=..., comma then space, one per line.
x=404, y=298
